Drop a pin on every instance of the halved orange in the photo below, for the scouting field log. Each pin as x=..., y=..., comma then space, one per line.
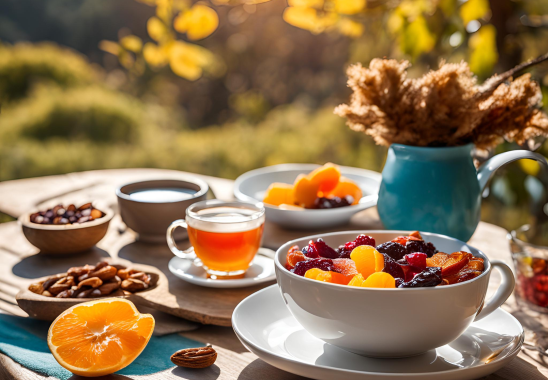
x=99, y=337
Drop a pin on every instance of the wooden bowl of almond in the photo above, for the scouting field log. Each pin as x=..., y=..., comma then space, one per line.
x=48, y=297
x=66, y=229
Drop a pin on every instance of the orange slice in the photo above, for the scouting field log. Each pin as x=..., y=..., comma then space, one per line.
x=99, y=337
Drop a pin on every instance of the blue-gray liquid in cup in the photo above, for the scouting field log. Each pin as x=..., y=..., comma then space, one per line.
x=163, y=194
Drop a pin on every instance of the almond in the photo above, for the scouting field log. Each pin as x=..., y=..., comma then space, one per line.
x=200, y=357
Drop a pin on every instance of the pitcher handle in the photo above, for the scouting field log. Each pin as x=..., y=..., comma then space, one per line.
x=187, y=253
x=506, y=287
x=485, y=172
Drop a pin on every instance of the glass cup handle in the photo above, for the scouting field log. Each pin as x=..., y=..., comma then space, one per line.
x=187, y=253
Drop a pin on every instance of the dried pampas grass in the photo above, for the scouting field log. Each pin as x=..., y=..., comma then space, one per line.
x=444, y=107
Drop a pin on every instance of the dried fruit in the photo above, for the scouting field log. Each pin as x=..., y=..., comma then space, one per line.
x=278, y=194
x=393, y=268
x=346, y=249
x=61, y=215
x=320, y=249
x=326, y=178
x=294, y=256
x=200, y=357
x=304, y=191
x=333, y=202
x=320, y=263
x=392, y=249
x=429, y=277
x=346, y=187
x=368, y=260
x=379, y=280
x=346, y=267
x=413, y=246
x=357, y=280
x=418, y=260
x=455, y=262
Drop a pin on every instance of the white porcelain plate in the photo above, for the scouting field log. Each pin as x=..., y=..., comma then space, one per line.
x=261, y=270
x=252, y=186
x=266, y=327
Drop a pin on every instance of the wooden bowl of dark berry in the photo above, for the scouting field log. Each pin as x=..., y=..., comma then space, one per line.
x=66, y=229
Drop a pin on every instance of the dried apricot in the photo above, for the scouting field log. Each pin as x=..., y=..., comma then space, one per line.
x=279, y=193
x=357, y=280
x=346, y=267
x=325, y=177
x=293, y=257
x=455, y=262
x=379, y=280
x=368, y=260
x=346, y=187
x=313, y=273
x=304, y=191
x=437, y=260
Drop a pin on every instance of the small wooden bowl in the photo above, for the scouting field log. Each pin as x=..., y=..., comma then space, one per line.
x=68, y=238
x=45, y=308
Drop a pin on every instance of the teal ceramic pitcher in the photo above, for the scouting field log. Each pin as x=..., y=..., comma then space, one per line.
x=437, y=189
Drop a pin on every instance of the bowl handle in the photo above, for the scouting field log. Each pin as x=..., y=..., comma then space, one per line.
x=506, y=288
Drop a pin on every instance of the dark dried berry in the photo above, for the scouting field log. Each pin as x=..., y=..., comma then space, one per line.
x=413, y=246
x=334, y=202
x=302, y=266
x=417, y=259
x=392, y=249
x=346, y=250
x=392, y=267
x=429, y=277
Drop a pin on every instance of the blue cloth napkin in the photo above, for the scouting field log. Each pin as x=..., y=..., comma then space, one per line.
x=24, y=340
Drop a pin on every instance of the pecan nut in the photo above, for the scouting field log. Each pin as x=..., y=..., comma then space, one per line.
x=37, y=288
x=200, y=357
x=133, y=285
x=109, y=287
x=94, y=282
x=124, y=274
x=53, y=279
x=141, y=276
x=105, y=273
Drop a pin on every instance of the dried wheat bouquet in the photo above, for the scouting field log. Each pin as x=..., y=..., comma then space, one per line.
x=444, y=107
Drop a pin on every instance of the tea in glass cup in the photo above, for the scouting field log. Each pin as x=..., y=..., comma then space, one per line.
x=225, y=236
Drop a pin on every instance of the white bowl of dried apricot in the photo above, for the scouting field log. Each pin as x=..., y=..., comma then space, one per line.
x=309, y=196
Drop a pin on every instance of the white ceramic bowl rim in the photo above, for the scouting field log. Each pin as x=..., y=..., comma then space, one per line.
x=109, y=214
x=282, y=251
x=204, y=187
x=282, y=167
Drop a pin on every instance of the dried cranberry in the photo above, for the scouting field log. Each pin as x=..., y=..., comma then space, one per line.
x=417, y=259
x=410, y=271
x=392, y=267
x=413, y=246
x=319, y=249
x=394, y=250
x=431, y=276
x=302, y=266
x=346, y=250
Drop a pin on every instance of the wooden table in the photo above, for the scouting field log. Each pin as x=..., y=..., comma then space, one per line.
x=234, y=361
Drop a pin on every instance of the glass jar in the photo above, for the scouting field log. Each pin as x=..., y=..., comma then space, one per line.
x=529, y=247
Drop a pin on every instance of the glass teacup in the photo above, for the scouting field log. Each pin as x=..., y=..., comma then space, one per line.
x=225, y=236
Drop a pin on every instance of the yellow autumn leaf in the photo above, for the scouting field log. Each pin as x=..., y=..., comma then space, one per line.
x=110, y=47
x=349, y=7
x=131, y=43
x=164, y=10
x=483, y=46
x=318, y=4
x=126, y=59
x=154, y=55
x=309, y=19
x=417, y=38
x=156, y=29
x=529, y=166
x=350, y=28
x=188, y=60
x=198, y=22
x=474, y=10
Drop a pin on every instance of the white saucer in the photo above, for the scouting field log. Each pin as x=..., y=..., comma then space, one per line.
x=265, y=326
x=261, y=270
x=251, y=186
